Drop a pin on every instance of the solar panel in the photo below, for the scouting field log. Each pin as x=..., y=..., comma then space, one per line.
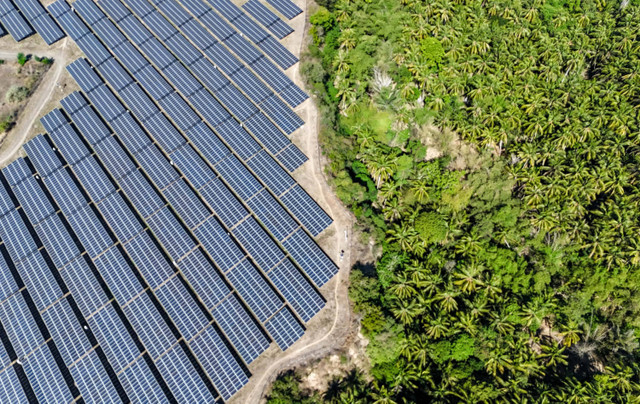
x=179, y=111
x=204, y=279
x=69, y=144
x=74, y=102
x=42, y=156
x=133, y=28
x=129, y=56
x=16, y=25
x=90, y=231
x=227, y=9
x=72, y=24
x=7, y=283
x=304, y=299
x=243, y=48
x=39, y=280
x=311, y=258
x=181, y=79
x=93, y=381
x=238, y=139
x=140, y=384
x=157, y=53
x=114, y=74
x=58, y=8
x=240, y=179
x=149, y=325
x=224, y=203
x=11, y=390
x=291, y=157
x=84, y=75
x=53, y=120
x=93, y=179
x=285, y=7
x=65, y=192
x=153, y=266
x=108, y=33
x=106, y=103
x=84, y=286
x=182, y=308
x=16, y=236
x=206, y=104
x=240, y=328
x=272, y=215
x=170, y=233
x=33, y=200
x=293, y=95
x=172, y=8
x=278, y=52
x=193, y=167
x=282, y=115
x=119, y=217
x=196, y=33
x=45, y=377
x=284, y=328
x=70, y=339
x=114, y=338
x=118, y=275
x=30, y=8
x=19, y=325
x=5, y=361
x=185, y=202
x=89, y=11
x=130, y=133
x=196, y=7
x=6, y=204
x=95, y=51
x=90, y=125
x=248, y=82
x=267, y=18
x=216, y=241
x=116, y=10
x=261, y=247
x=219, y=27
x=157, y=167
x=156, y=85
x=275, y=78
x=265, y=167
x=167, y=136
x=114, y=158
x=223, y=59
x=57, y=240
x=16, y=172
x=6, y=7
x=259, y=296
x=180, y=46
x=140, y=7
x=250, y=29
x=267, y=133
x=138, y=102
x=207, y=143
x=182, y=378
x=141, y=194
x=48, y=29
x=208, y=75
x=162, y=29
x=310, y=214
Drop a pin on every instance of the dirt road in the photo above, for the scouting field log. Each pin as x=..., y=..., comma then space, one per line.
x=38, y=99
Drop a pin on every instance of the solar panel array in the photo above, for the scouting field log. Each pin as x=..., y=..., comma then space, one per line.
x=267, y=18
x=40, y=20
x=148, y=240
x=286, y=8
x=13, y=21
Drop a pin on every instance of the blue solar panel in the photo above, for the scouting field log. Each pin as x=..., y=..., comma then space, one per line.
x=186, y=204
x=115, y=9
x=95, y=51
x=281, y=55
x=227, y=9
x=219, y=363
x=292, y=157
x=130, y=57
x=90, y=125
x=236, y=102
x=204, y=279
x=219, y=27
x=196, y=33
x=157, y=167
x=16, y=25
x=118, y=275
x=6, y=204
x=141, y=194
x=93, y=380
x=48, y=29
x=252, y=287
x=304, y=299
x=69, y=144
x=180, y=46
x=170, y=233
x=57, y=240
x=240, y=179
x=251, y=85
x=66, y=331
x=138, y=102
x=156, y=85
x=65, y=192
x=240, y=328
x=207, y=143
x=226, y=206
x=30, y=8
x=16, y=172
x=130, y=133
x=257, y=242
x=114, y=74
x=286, y=7
x=90, y=231
x=53, y=120
x=266, y=168
x=133, y=28
x=114, y=158
x=33, y=200
x=108, y=33
x=272, y=215
x=310, y=257
x=140, y=7
x=58, y=8
x=114, y=338
x=84, y=75
x=182, y=308
x=84, y=286
x=106, y=103
x=250, y=29
x=223, y=59
x=267, y=133
x=167, y=136
x=11, y=391
x=153, y=331
x=243, y=48
x=179, y=111
x=282, y=115
x=93, y=179
x=172, y=8
x=7, y=283
x=72, y=24
x=157, y=53
x=310, y=214
x=89, y=11
x=284, y=328
x=160, y=26
x=271, y=21
x=209, y=75
x=182, y=378
x=39, y=280
x=218, y=244
x=193, y=167
x=196, y=7
x=119, y=217
x=74, y=102
x=19, y=325
x=45, y=377
x=153, y=266
x=209, y=107
x=238, y=138
x=42, y=156
x=140, y=384
x=16, y=236
x=181, y=79
x=293, y=95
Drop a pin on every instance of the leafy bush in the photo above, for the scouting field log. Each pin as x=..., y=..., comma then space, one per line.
x=17, y=94
x=22, y=59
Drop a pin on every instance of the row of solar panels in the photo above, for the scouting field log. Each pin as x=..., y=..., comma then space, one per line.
x=285, y=7
x=267, y=18
x=15, y=21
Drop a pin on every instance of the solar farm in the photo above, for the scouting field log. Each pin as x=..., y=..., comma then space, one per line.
x=153, y=242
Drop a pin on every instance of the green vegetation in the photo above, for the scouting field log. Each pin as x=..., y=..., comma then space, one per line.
x=44, y=60
x=22, y=59
x=17, y=94
x=7, y=123
x=491, y=150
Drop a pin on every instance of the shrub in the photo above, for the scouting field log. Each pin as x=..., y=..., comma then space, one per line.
x=22, y=59
x=17, y=94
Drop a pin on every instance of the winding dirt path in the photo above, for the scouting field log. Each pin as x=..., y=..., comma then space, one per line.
x=17, y=136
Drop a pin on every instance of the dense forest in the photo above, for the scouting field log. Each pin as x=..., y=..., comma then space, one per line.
x=491, y=150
